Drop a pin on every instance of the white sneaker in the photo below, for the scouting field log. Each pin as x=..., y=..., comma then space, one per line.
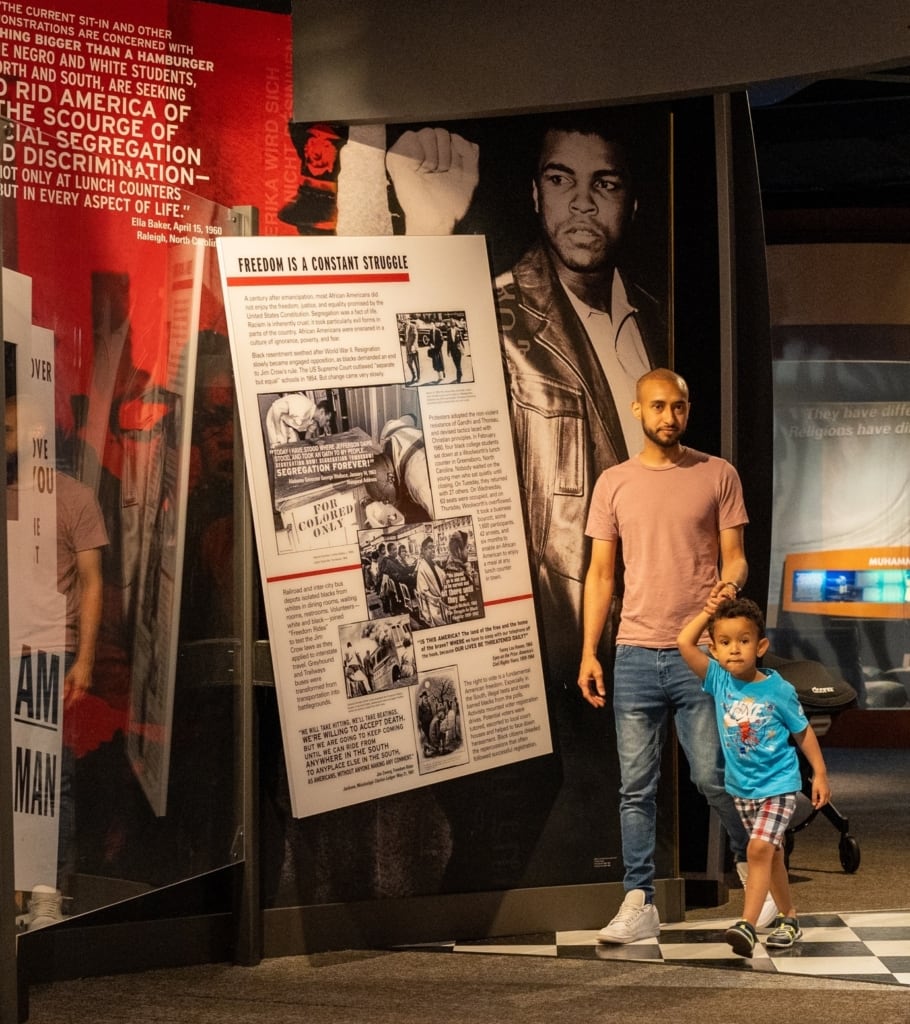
x=44, y=908
x=769, y=909
x=635, y=920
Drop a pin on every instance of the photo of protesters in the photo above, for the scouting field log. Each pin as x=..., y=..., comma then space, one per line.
x=429, y=572
x=435, y=348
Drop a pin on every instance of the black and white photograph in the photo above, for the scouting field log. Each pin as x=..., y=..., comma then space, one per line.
x=435, y=348
x=342, y=459
x=429, y=572
x=439, y=721
x=377, y=656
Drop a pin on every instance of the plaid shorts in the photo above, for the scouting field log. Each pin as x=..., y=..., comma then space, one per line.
x=767, y=819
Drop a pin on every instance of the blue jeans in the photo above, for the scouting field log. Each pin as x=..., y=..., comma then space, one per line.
x=648, y=686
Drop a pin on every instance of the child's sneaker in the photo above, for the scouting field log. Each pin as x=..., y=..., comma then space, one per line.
x=741, y=937
x=786, y=932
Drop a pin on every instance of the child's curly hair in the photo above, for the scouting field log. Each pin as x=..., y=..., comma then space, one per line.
x=738, y=608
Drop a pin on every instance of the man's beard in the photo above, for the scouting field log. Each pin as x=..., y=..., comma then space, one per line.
x=663, y=442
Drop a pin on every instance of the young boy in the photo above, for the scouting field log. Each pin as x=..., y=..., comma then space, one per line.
x=757, y=713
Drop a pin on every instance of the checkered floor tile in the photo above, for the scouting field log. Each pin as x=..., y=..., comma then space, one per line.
x=871, y=946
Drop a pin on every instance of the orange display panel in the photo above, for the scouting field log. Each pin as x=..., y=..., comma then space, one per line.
x=869, y=583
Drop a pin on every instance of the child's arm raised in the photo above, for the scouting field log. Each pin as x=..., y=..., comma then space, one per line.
x=687, y=642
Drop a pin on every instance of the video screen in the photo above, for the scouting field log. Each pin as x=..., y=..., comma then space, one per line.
x=871, y=586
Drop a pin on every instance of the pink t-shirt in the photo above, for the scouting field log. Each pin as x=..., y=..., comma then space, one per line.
x=668, y=520
x=80, y=527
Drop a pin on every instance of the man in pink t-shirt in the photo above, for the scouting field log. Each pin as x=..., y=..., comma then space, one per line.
x=63, y=620
x=677, y=515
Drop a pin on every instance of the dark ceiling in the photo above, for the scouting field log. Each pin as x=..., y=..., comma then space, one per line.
x=834, y=157
x=836, y=142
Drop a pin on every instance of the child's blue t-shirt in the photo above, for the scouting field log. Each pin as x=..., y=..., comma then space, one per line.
x=755, y=721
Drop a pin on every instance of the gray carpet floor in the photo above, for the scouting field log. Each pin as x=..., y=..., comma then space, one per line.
x=381, y=987
x=400, y=988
